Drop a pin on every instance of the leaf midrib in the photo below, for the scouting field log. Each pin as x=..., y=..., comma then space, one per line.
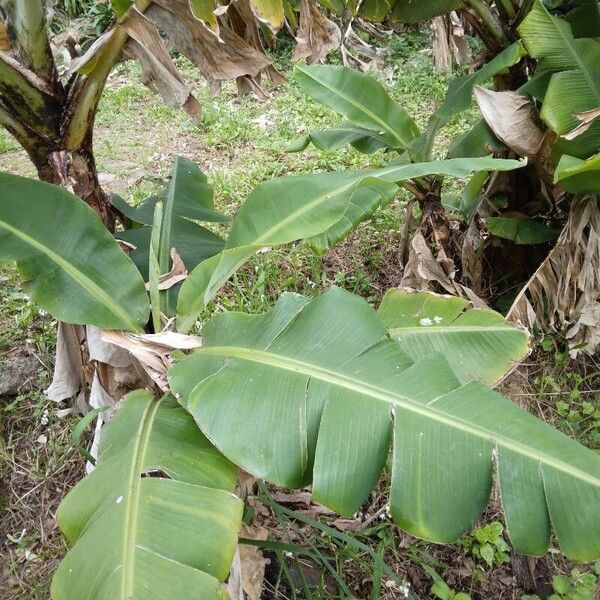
x=134, y=484
x=79, y=276
x=453, y=329
x=383, y=395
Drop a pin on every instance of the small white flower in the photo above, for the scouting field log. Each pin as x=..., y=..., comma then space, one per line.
x=438, y=319
x=44, y=418
x=425, y=322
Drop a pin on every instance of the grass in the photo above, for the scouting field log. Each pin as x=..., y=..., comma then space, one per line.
x=239, y=143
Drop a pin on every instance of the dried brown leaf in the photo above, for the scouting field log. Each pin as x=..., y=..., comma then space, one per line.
x=449, y=45
x=158, y=71
x=316, y=36
x=512, y=118
x=585, y=119
x=423, y=268
x=4, y=41
x=358, y=54
x=153, y=351
x=177, y=273
x=253, y=562
x=218, y=60
x=563, y=294
x=68, y=367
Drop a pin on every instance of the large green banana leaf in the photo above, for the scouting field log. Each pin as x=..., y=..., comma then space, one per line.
x=478, y=343
x=575, y=85
x=360, y=98
x=71, y=264
x=155, y=520
x=317, y=391
x=286, y=209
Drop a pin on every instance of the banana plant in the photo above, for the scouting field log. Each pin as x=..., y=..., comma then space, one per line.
x=561, y=141
x=323, y=377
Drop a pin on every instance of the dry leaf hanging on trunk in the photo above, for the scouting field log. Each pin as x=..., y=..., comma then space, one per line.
x=316, y=36
x=153, y=351
x=68, y=375
x=243, y=23
x=449, y=45
x=512, y=118
x=158, y=71
x=515, y=121
x=358, y=54
x=218, y=59
x=422, y=269
x=4, y=43
x=564, y=293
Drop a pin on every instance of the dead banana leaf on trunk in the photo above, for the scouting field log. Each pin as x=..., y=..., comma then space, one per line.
x=449, y=45
x=68, y=375
x=158, y=71
x=423, y=269
x=316, y=36
x=233, y=50
x=512, y=118
x=218, y=59
x=564, y=293
x=152, y=351
x=515, y=121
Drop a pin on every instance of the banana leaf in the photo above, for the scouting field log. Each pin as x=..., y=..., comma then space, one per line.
x=316, y=392
x=71, y=264
x=156, y=519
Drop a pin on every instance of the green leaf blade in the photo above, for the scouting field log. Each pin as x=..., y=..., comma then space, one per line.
x=478, y=344
x=360, y=98
x=129, y=529
x=72, y=266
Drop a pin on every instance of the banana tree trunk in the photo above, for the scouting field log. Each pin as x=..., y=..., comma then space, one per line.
x=76, y=170
x=52, y=121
